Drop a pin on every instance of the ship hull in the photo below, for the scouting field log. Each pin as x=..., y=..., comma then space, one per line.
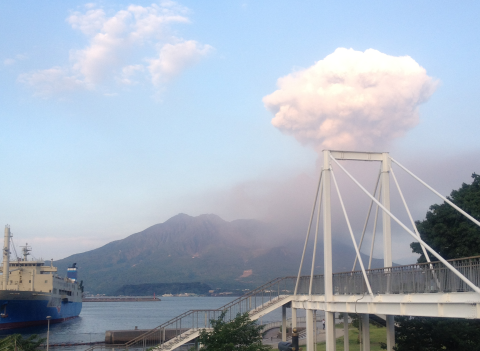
x=20, y=309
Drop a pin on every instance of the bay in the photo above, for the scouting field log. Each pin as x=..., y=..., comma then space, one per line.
x=98, y=317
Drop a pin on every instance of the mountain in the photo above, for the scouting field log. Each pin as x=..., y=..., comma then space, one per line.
x=206, y=249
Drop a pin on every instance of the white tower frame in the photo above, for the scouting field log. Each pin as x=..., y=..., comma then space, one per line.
x=324, y=190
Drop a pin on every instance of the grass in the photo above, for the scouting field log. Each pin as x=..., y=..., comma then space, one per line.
x=377, y=335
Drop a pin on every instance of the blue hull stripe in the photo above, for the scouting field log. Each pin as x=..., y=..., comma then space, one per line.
x=31, y=312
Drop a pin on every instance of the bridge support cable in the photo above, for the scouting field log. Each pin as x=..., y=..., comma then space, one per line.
x=315, y=244
x=410, y=216
x=366, y=220
x=308, y=230
x=374, y=230
x=438, y=194
x=352, y=236
x=432, y=251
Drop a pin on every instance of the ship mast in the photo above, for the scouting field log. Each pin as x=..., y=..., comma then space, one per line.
x=6, y=256
x=25, y=250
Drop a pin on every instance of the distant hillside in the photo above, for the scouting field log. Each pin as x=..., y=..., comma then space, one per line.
x=206, y=249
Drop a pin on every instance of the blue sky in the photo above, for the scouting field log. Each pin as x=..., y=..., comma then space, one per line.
x=92, y=157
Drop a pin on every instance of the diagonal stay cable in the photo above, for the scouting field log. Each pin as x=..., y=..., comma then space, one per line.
x=438, y=194
x=352, y=236
x=409, y=214
x=427, y=257
x=308, y=232
x=434, y=253
x=366, y=219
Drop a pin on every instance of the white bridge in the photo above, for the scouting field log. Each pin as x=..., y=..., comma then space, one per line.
x=433, y=289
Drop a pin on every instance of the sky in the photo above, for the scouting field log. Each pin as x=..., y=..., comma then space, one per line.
x=119, y=115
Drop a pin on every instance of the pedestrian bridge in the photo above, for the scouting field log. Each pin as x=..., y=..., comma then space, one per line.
x=428, y=289
x=444, y=288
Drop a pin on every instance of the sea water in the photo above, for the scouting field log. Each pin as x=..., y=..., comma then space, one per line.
x=98, y=317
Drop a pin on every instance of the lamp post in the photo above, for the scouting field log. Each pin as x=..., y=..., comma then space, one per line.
x=48, y=330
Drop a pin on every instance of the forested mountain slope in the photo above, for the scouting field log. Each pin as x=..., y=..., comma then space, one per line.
x=206, y=249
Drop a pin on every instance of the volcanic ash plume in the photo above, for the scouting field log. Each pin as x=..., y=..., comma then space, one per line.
x=351, y=100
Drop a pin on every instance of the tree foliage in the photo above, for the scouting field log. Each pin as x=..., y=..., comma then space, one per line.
x=452, y=235
x=240, y=334
x=449, y=232
x=435, y=334
x=16, y=342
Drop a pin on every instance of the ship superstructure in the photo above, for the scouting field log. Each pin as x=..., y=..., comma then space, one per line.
x=32, y=290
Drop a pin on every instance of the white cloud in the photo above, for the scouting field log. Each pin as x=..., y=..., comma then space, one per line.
x=174, y=58
x=120, y=46
x=89, y=23
x=11, y=61
x=351, y=100
x=8, y=62
x=128, y=74
x=51, y=81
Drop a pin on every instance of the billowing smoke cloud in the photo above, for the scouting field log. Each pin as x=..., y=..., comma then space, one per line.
x=351, y=100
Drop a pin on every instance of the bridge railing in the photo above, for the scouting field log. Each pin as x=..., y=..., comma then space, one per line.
x=185, y=323
x=318, y=285
x=416, y=278
x=255, y=299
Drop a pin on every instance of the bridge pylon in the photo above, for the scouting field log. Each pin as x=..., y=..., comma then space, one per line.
x=380, y=197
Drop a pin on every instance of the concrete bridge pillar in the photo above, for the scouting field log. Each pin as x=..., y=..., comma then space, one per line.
x=294, y=317
x=365, y=332
x=390, y=332
x=346, y=341
x=330, y=339
x=284, y=323
x=310, y=337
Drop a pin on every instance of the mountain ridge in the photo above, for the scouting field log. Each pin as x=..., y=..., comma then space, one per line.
x=205, y=249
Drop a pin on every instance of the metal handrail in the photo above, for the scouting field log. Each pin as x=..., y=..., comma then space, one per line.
x=161, y=326
x=254, y=291
x=406, y=266
x=415, y=278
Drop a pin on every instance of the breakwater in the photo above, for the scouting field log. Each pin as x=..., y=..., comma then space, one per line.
x=119, y=299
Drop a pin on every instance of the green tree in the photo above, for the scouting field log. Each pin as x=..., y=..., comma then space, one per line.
x=448, y=231
x=240, y=334
x=435, y=334
x=452, y=235
x=17, y=342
